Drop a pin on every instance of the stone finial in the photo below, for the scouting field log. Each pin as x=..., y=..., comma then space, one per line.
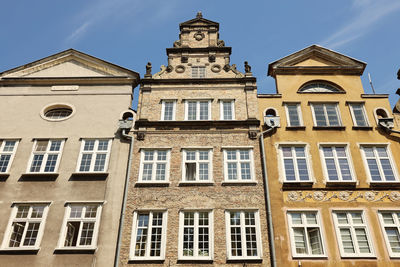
x=199, y=15
x=247, y=67
x=148, y=69
x=398, y=74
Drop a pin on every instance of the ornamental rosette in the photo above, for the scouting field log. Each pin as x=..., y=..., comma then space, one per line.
x=394, y=196
x=343, y=195
x=318, y=196
x=293, y=196
x=370, y=196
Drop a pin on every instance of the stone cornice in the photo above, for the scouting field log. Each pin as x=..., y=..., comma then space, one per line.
x=197, y=124
x=148, y=81
x=191, y=50
x=318, y=70
x=69, y=80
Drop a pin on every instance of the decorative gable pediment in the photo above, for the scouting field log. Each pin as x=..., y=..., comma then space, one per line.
x=199, y=21
x=66, y=64
x=316, y=60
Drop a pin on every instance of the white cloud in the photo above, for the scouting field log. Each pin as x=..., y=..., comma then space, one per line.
x=367, y=14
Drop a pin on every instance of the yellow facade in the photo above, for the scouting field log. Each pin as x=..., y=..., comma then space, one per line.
x=330, y=242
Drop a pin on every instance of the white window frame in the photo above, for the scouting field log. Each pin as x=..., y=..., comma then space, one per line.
x=199, y=75
x=196, y=235
x=149, y=233
x=221, y=108
x=154, y=167
x=396, y=218
x=363, y=112
x=238, y=166
x=173, y=101
x=94, y=154
x=326, y=114
x=305, y=225
x=390, y=158
x=42, y=221
x=299, y=114
x=45, y=155
x=243, y=234
x=8, y=153
x=197, y=109
x=294, y=158
x=336, y=161
x=351, y=226
x=82, y=219
x=197, y=161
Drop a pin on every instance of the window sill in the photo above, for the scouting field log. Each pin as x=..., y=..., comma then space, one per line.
x=358, y=257
x=4, y=176
x=87, y=176
x=244, y=259
x=296, y=184
x=34, y=250
x=295, y=128
x=341, y=183
x=239, y=183
x=311, y=257
x=391, y=184
x=363, y=128
x=75, y=250
x=39, y=176
x=151, y=183
x=146, y=260
x=195, y=260
x=195, y=183
x=329, y=128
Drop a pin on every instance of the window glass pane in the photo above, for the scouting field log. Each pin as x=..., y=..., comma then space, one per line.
x=245, y=171
x=16, y=234
x=4, y=160
x=90, y=211
x=100, y=162
x=289, y=170
x=203, y=110
x=227, y=110
x=347, y=240
x=203, y=155
x=387, y=218
x=296, y=218
x=190, y=155
x=55, y=145
x=76, y=211
x=191, y=110
x=168, y=110
x=374, y=170
x=148, y=155
x=294, y=119
x=357, y=218
x=332, y=115
x=22, y=212
x=36, y=163
x=362, y=240
x=190, y=171
x=103, y=145
x=244, y=155
x=319, y=114
x=51, y=163
x=232, y=171
x=203, y=171
x=300, y=240
x=311, y=218
x=342, y=218
x=8, y=146
x=359, y=116
x=160, y=171
x=37, y=211
x=231, y=155
x=85, y=162
x=89, y=145
x=147, y=172
x=393, y=237
x=315, y=241
x=303, y=170
x=31, y=234
x=161, y=155
x=41, y=146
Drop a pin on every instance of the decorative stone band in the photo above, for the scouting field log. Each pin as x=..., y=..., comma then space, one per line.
x=342, y=196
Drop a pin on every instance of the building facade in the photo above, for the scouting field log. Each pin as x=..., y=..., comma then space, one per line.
x=196, y=192
x=62, y=160
x=332, y=164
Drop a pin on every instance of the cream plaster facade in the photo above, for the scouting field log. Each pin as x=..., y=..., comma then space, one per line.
x=99, y=93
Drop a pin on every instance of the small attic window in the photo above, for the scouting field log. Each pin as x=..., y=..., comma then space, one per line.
x=381, y=113
x=57, y=112
x=270, y=112
x=320, y=87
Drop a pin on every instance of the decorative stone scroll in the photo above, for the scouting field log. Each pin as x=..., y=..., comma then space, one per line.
x=342, y=196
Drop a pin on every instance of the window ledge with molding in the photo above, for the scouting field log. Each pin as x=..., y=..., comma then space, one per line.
x=39, y=176
x=239, y=183
x=362, y=128
x=303, y=257
x=196, y=183
x=341, y=183
x=329, y=128
x=16, y=250
x=4, y=175
x=90, y=174
x=151, y=184
x=75, y=250
x=391, y=184
x=295, y=128
x=146, y=260
x=297, y=184
x=244, y=259
x=195, y=260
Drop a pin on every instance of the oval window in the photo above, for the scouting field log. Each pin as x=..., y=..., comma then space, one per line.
x=57, y=112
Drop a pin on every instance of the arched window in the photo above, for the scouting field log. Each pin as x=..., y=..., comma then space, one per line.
x=270, y=112
x=320, y=87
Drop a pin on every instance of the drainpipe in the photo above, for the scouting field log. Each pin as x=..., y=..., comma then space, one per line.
x=266, y=189
x=122, y=216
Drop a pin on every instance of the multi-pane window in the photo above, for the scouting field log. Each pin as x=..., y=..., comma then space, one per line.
x=7, y=152
x=358, y=113
x=379, y=163
x=293, y=114
x=148, y=238
x=195, y=240
x=46, y=156
x=352, y=234
x=238, y=165
x=94, y=155
x=227, y=108
x=390, y=222
x=305, y=233
x=243, y=234
x=154, y=166
x=26, y=226
x=198, y=110
x=197, y=165
x=295, y=163
x=337, y=163
x=198, y=71
x=168, y=110
x=326, y=115
x=81, y=226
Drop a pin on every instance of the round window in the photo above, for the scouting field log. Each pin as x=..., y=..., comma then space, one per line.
x=57, y=112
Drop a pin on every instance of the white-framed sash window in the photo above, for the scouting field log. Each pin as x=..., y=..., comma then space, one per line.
x=46, y=155
x=94, y=155
x=7, y=153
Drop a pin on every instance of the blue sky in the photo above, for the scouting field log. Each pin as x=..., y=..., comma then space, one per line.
x=130, y=33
